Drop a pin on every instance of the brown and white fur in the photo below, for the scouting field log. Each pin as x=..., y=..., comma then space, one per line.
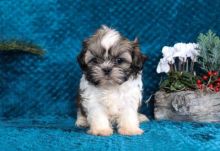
x=110, y=90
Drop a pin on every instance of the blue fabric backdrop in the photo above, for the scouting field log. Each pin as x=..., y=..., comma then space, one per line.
x=44, y=87
x=47, y=85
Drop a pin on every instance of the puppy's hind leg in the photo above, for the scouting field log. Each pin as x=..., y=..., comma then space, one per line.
x=142, y=118
x=81, y=120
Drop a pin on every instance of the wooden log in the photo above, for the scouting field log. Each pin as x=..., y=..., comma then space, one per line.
x=187, y=106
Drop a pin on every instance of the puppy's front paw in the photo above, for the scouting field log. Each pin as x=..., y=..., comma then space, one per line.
x=127, y=131
x=101, y=132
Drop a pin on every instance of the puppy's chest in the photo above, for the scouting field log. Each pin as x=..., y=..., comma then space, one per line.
x=116, y=99
x=112, y=99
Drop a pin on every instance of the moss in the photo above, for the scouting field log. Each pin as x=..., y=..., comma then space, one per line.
x=20, y=46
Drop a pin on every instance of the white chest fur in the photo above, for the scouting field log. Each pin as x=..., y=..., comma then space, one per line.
x=112, y=99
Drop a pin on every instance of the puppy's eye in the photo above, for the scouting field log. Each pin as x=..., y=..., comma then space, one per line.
x=119, y=61
x=94, y=60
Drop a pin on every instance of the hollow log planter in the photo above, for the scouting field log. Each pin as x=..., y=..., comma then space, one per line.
x=187, y=106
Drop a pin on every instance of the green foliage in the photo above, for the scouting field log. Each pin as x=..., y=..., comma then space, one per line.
x=209, y=45
x=179, y=81
x=20, y=47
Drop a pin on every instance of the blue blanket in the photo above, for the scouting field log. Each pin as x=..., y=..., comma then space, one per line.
x=64, y=136
x=37, y=94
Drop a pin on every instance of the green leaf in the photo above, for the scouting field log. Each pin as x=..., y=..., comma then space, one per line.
x=178, y=85
x=178, y=81
x=165, y=83
x=172, y=88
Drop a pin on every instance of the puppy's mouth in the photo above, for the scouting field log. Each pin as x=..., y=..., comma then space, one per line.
x=108, y=80
x=107, y=77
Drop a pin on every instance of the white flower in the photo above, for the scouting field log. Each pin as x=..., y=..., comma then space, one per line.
x=168, y=54
x=180, y=51
x=184, y=51
x=193, y=51
x=163, y=66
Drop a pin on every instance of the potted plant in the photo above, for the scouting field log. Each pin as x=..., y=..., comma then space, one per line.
x=190, y=90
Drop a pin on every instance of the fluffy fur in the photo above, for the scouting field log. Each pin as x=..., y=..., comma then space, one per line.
x=111, y=86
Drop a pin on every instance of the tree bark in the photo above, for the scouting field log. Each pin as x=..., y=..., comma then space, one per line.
x=187, y=106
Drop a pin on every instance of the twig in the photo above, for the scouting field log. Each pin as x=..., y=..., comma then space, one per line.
x=187, y=65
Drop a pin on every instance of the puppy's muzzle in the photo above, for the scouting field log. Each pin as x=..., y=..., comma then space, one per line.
x=107, y=71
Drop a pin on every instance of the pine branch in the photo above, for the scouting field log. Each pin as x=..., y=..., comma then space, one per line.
x=209, y=46
x=20, y=46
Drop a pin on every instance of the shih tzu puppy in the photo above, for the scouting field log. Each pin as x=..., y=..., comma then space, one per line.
x=110, y=90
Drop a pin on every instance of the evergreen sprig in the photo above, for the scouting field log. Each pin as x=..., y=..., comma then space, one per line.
x=209, y=46
x=20, y=46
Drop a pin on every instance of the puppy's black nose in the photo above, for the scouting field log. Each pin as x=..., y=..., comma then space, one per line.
x=107, y=70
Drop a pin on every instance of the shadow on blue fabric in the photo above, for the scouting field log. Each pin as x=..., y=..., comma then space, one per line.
x=37, y=109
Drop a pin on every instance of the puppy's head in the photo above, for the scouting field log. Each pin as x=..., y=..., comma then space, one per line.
x=108, y=58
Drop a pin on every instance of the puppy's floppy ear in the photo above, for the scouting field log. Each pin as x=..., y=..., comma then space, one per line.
x=138, y=58
x=81, y=56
